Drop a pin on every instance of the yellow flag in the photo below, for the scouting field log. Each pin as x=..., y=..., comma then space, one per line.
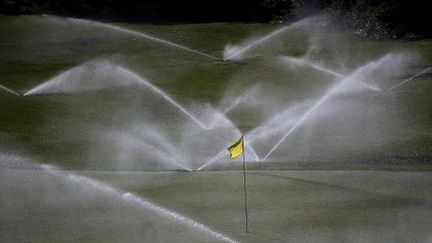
x=236, y=149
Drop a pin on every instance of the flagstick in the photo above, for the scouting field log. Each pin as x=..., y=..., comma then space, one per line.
x=244, y=188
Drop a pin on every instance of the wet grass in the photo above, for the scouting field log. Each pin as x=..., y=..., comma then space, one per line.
x=286, y=203
x=34, y=49
x=301, y=206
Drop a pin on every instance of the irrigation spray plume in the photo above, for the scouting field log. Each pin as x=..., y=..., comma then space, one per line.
x=65, y=83
x=154, y=144
x=273, y=126
x=178, y=158
x=213, y=160
x=135, y=199
x=162, y=94
x=410, y=79
x=250, y=150
x=224, y=153
x=62, y=81
x=303, y=62
x=329, y=94
x=233, y=53
x=136, y=33
x=260, y=133
x=230, y=55
x=276, y=125
x=9, y=90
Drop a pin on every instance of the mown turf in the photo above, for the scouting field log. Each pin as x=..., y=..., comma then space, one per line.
x=285, y=205
x=300, y=206
x=34, y=49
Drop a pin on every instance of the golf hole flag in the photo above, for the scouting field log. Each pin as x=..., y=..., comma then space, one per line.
x=236, y=149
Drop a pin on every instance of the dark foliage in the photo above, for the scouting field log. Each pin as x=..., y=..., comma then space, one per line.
x=144, y=11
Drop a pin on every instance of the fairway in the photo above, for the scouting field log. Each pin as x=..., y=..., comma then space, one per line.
x=285, y=206
x=118, y=132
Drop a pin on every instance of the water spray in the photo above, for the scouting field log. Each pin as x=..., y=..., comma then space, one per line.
x=9, y=90
x=232, y=55
x=164, y=95
x=410, y=79
x=257, y=42
x=137, y=200
x=135, y=33
x=62, y=78
x=329, y=94
x=302, y=61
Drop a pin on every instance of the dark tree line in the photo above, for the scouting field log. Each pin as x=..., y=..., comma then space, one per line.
x=142, y=10
x=389, y=18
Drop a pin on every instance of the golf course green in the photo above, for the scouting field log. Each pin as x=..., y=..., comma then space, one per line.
x=117, y=132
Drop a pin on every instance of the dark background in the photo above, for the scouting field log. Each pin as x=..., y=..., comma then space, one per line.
x=400, y=19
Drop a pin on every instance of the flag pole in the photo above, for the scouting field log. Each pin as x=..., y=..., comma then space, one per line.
x=244, y=188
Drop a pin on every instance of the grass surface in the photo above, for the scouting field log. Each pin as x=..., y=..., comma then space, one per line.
x=351, y=203
x=53, y=126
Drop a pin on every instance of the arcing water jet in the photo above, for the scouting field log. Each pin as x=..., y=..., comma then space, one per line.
x=329, y=94
x=234, y=53
x=410, y=79
x=231, y=54
x=218, y=121
x=86, y=76
x=224, y=153
x=279, y=123
x=144, y=143
x=301, y=61
x=136, y=33
x=9, y=90
x=162, y=94
x=137, y=200
x=101, y=74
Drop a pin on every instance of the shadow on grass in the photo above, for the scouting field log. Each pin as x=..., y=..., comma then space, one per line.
x=396, y=199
